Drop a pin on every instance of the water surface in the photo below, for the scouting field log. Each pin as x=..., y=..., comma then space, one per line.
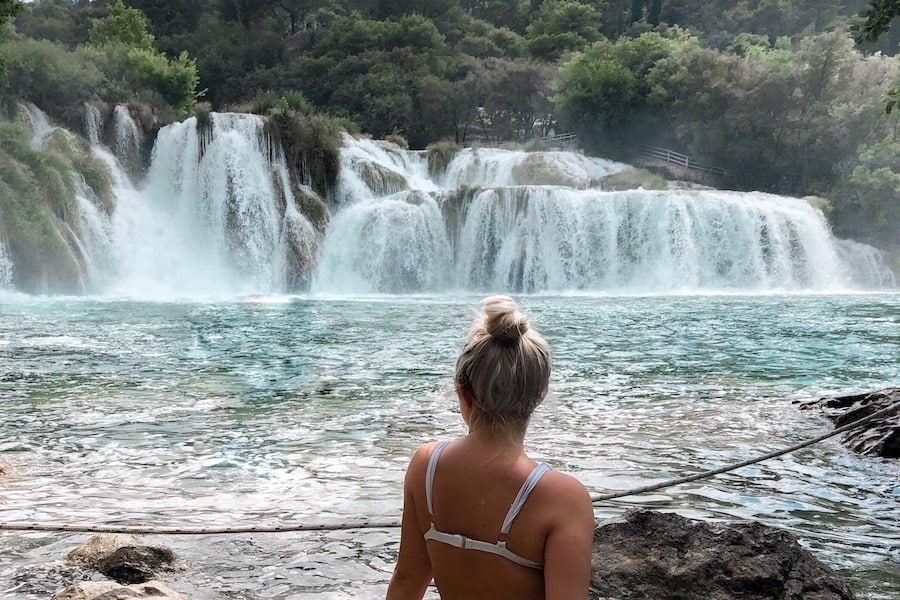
x=306, y=409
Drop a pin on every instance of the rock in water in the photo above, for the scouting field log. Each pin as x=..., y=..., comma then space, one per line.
x=122, y=558
x=880, y=437
x=647, y=555
x=107, y=590
x=97, y=549
x=136, y=564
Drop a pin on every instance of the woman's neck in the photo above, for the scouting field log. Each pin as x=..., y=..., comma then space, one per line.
x=497, y=439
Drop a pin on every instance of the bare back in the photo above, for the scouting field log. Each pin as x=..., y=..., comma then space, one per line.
x=472, y=492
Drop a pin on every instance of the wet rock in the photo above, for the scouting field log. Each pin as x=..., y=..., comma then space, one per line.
x=107, y=590
x=647, y=555
x=122, y=558
x=880, y=437
x=97, y=549
x=137, y=564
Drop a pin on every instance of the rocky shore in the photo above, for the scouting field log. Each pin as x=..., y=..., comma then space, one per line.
x=880, y=437
x=641, y=555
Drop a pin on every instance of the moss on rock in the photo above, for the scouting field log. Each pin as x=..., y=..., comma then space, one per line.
x=440, y=155
x=537, y=170
x=633, y=179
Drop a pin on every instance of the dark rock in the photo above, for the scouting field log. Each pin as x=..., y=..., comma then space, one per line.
x=647, y=555
x=136, y=564
x=880, y=437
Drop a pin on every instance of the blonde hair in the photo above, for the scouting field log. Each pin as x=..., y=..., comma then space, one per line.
x=504, y=365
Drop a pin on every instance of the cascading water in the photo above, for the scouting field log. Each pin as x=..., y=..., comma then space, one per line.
x=127, y=138
x=93, y=123
x=216, y=215
x=6, y=266
x=535, y=222
x=207, y=221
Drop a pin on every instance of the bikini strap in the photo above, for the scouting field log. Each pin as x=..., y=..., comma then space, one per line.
x=522, y=496
x=429, y=475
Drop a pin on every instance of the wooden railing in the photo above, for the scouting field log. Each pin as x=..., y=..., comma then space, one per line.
x=682, y=160
x=559, y=138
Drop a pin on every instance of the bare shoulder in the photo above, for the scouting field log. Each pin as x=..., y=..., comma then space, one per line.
x=566, y=485
x=567, y=494
x=419, y=461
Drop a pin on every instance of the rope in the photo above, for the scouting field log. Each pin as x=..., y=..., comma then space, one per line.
x=390, y=524
x=706, y=474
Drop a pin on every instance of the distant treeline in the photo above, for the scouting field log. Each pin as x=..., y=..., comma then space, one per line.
x=775, y=91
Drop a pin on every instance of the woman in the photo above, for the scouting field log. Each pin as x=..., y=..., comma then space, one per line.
x=479, y=516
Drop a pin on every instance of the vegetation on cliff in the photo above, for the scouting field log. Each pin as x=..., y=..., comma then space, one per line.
x=784, y=95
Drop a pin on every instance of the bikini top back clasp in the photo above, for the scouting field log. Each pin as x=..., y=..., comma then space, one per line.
x=461, y=541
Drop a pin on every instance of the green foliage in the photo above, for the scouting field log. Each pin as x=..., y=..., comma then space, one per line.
x=122, y=26
x=289, y=102
x=47, y=74
x=203, y=112
x=773, y=90
x=633, y=179
x=36, y=192
x=9, y=8
x=596, y=90
x=537, y=170
x=561, y=26
x=54, y=20
x=877, y=20
x=138, y=74
x=397, y=140
x=311, y=145
x=440, y=155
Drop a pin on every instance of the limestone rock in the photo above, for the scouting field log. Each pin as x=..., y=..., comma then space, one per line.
x=880, y=437
x=107, y=590
x=122, y=558
x=647, y=555
x=97, y=549
x=136, y=564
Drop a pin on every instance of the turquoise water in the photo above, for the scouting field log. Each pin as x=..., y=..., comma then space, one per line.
x=305, y=409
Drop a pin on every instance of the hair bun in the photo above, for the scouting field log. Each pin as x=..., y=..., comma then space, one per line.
x=503, y=320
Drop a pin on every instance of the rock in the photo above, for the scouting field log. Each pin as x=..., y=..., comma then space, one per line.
x=136, y=564
x=647, y=555
x=5, y=468
x=122, y=558
x=97, y=549
x=880, y=437
x=107, y=590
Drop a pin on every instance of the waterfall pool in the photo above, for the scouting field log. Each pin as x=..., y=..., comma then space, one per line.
x=286, y=409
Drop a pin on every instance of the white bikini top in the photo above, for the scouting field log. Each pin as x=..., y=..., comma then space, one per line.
x=461, y=541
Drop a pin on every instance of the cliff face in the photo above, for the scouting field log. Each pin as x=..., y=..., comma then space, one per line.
x=46, y=175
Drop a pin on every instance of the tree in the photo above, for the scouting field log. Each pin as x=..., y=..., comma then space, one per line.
x=8, y=9
x=123, y=25
x=561, y=26
x=878, y=18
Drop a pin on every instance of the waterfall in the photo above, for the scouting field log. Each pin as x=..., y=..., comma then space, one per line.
x=208, y=220
x=215, y=214
x=498, y=220
x=93, y=124
x=6, y=266
x=490, y=167
x=865, y=265
x=37, y=121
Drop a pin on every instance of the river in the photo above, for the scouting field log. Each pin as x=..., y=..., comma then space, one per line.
x=273, y=410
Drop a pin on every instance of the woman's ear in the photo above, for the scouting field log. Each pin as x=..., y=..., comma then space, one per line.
x=464, y=396
x=466, y=403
